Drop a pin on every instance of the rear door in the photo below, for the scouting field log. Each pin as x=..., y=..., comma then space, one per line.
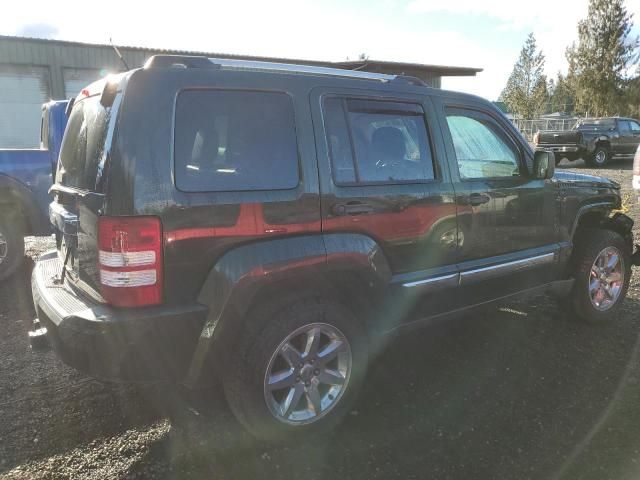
x=380, y=177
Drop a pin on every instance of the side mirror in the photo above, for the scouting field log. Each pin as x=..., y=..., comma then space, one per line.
x=544, y=164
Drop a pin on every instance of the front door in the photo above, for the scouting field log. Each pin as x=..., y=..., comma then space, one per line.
x=506, y=218
x=380, y=177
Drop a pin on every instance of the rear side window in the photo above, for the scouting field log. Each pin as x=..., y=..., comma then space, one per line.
x=83, y=144
x=374, y=141
x=235, y=141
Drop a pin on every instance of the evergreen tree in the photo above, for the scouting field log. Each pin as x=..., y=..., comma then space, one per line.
x=599, y=62
x=631, y=105
x=561, y=99
x=526, y=91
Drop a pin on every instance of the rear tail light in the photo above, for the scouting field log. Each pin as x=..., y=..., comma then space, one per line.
x=130, y=260
x=636, y=170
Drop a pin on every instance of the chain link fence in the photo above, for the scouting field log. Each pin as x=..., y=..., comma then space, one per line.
x=529, y=127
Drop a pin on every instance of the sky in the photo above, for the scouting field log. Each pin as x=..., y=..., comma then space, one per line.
x=476, y=33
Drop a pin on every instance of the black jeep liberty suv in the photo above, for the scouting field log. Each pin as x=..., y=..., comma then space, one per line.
x=268, y=224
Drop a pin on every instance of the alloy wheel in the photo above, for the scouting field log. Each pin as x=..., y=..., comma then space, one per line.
x=601, y=157
x=606, y=278
x=307, y=374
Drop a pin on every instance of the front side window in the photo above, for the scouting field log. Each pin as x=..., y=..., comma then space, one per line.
x=374, y=141
x=481, y=147
x=235, y=141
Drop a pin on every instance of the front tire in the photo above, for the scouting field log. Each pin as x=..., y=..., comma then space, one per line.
x=11, y=246
x=600, y=157
x=297, y=368
x=601, y=266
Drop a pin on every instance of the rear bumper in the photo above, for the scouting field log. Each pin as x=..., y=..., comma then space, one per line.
x=562, y=148
x=141, y=344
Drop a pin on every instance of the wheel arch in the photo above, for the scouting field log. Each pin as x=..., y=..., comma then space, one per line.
x=16, y=199
x=349, y=267
x=602, y=215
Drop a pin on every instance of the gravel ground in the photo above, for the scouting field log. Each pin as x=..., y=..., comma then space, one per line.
x=519, y=392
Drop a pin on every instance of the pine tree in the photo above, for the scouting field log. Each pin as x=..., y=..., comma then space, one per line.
x=562, y=96
x=599, y=62
x=526, y=91
x=631, y=106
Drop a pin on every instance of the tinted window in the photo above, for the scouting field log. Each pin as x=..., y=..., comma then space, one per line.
x=83, y=144
x=598, y=123
x=482, y=150
x=235, y=140
x=373, y=141
x=624, y=126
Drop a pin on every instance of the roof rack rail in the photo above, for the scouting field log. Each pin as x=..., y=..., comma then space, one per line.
x=410, y=80
x=180, y=61
x=237, y=64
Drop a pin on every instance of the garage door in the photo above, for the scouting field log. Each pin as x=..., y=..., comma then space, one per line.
x=75, y=79
x=23, y=90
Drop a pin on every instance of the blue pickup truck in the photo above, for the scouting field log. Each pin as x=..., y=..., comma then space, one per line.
x=25, y=179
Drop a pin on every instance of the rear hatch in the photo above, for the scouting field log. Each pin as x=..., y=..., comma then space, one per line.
x=559, y=137
x=79, y=186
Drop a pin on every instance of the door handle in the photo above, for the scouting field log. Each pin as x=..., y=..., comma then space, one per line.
x=352, y=209
x=476, y=199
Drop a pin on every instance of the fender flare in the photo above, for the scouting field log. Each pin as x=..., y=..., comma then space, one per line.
x=618, y=222
x=240, y=274
x=16, y=194
x=592, y=144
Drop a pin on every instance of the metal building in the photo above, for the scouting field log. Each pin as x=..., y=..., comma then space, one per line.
x=33, y=71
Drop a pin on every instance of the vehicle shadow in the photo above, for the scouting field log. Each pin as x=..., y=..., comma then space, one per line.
x=507, y=394
x=624, y=165
x=48, y=408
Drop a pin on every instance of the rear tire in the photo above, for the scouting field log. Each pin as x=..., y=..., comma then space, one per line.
x=600, y=157
x=593, y=299
x=251, y=368
x=11, y=245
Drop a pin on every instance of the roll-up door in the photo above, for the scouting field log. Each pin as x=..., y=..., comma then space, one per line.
x=75, y=79
x=23, y=90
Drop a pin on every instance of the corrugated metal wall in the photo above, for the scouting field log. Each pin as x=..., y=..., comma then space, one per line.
x=34, y=71
x=68, y=67
x=59, y=56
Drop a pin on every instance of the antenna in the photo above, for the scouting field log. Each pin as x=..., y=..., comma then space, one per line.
x=119, y=54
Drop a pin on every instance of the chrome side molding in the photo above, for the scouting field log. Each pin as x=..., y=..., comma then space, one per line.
x=507, y=268
x=450, y=280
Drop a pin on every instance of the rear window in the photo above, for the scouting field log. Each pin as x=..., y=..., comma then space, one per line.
x=590, y=123
x=235, y=141
x=83, y=144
